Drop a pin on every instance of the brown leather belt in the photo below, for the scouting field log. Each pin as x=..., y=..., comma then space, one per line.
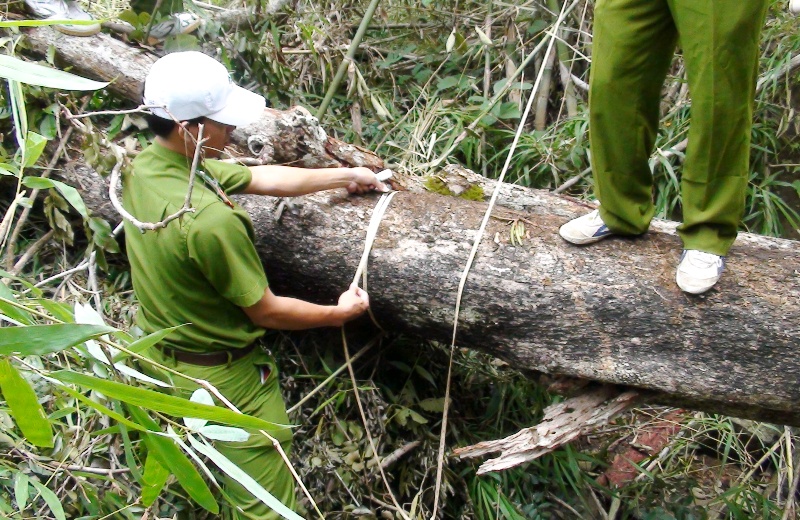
x=208, y=359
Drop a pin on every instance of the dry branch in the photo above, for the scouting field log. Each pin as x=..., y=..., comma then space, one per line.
x=562, y=423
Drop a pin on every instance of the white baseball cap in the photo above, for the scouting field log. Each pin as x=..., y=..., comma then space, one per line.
x=191, y=84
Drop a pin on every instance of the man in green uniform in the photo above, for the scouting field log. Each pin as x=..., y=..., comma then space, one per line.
x=633, y=45
x=203, y=270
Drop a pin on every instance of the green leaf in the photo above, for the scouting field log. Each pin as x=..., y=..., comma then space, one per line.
x=248, y=482
x=18, y=110
x=9, y=170
x=224, y=433
x=102, y=409
x=25, y=408
x=51, y=500
x=449, y=82
x=67, y=191
x=417, y=418
x=37, y=340
x=33, y=74
x=171, y=457
x=12, y=311
x=143, y=344
x=34, y=146
x=21, y=490
x=165, y=403
x=129, y=16
x=153, y=480
x=42, y=23
x=432, y=404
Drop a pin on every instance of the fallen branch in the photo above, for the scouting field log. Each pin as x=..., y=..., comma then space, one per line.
x=562, y=423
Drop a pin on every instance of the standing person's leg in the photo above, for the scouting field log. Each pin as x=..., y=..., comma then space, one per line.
x=632, y=48
x=720, y=43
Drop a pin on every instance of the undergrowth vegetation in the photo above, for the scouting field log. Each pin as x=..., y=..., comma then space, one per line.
x=431, y=83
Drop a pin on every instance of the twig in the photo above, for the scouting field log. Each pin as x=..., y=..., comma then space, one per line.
x=399, y=453
x=32, y=250
x=572, y=181
x=777, y=73
x=5, y=225
x=792, y=498
x=140, y=109
x=330, y=378
x=150, y=226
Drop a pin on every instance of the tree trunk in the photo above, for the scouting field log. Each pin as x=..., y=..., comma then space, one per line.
x=610, y=312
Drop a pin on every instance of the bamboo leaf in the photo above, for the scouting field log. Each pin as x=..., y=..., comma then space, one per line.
x=51, y=500
x=201, y=396
x=143, y=344
x=153, y=480
x=482, y=35
x=169, y=456
x=21, y=490
x=224, y=433
x=25, y=408
x=37, y=340
x=18, y=111
x=169, y=404
x=42, y=23
x=34, y=74
x=12, y=311
x=244, y=479
x=451, y=41
x=102, y=409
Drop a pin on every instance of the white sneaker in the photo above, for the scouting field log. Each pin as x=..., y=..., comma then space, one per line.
x=699, y=271
x=794, y=6
x=585, y=230
x=64, y=10
x=173, y=25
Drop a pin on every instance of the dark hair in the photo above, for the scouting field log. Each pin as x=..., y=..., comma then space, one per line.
x=163, y=127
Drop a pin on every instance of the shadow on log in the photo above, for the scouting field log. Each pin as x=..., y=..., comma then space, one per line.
x=610, y=312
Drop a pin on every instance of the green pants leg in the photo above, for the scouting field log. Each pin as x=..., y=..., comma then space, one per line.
x=632, y=48
x=633, y=45
x=720, y=44
x=240, y=383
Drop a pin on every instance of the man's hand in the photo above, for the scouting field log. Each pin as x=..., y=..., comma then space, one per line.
x=364, y=180
x=353, y=303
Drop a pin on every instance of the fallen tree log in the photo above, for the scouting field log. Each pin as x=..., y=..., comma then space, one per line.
x=610, y=312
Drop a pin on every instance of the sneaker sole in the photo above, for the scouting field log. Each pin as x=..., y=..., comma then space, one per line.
x=581, y=240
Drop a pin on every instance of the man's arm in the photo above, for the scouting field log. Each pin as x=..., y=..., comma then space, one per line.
x=288, y=181
x=280, y=312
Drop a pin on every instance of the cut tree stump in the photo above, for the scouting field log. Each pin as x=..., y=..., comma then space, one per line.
x=610, y=312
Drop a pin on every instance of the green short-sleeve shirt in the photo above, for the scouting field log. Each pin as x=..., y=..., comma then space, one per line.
x=200, y=269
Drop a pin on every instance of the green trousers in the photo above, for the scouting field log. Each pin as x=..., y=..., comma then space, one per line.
x=241, y=383
x=633, y=46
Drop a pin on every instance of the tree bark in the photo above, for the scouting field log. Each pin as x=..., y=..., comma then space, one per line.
x=610, y=312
